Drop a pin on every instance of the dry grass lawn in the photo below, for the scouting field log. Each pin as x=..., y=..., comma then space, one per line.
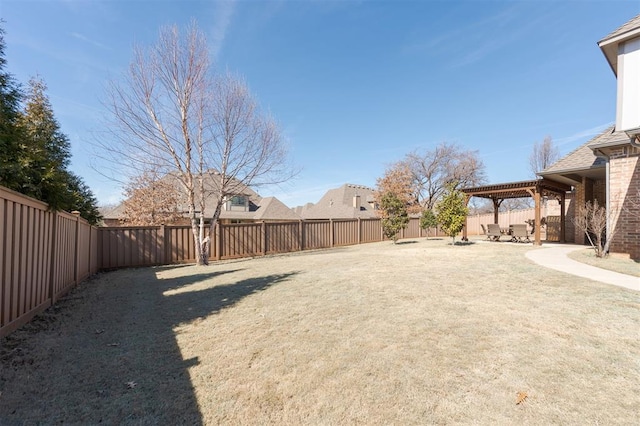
x=418, y=333
x=612, y=263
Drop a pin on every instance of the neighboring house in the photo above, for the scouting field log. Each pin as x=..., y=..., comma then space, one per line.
x=346, y=202
x=607, y=168
x=245, y=205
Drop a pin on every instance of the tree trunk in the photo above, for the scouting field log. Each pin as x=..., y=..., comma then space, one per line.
x=197, y=242
x=205, y=242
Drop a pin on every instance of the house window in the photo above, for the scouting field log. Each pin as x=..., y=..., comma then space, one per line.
x=238, y=200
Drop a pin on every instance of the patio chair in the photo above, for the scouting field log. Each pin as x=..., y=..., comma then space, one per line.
x=493, y=232
x=484, y=232
x=519, y=233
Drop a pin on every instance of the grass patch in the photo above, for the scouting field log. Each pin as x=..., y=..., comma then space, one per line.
x=423, y=333
x=611, y=263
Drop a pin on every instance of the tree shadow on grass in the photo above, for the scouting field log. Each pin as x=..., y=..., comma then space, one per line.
x=399, y=243
x=464, y=243
x=111, y=355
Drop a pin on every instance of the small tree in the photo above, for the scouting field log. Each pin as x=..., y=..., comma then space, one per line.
x=394, y=215
x=428, y=220
x=398, y=180
x=452, y=211
x=151, y=200
x=592, y=219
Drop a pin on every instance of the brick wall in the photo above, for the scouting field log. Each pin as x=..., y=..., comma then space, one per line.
x=580, y=197
x=624, y=173
x=587, y=190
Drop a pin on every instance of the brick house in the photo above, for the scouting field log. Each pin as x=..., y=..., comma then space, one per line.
x=607, y=168
x=348, y=201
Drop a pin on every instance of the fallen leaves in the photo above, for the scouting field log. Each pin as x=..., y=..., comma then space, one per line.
x=521, y=397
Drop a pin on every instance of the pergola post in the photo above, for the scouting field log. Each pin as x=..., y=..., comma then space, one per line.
x=562, y=217
x=496, y=209
x=467, y=197
x=536, y=198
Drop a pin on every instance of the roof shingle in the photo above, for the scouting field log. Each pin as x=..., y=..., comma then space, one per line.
x=583, y=158
x=630, y=25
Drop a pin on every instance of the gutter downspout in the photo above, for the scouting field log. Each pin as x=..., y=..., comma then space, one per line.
x=601, y=154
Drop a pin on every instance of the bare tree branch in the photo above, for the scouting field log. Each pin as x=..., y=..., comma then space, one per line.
x=445, y=165
x=172, y=113
x=543, y=155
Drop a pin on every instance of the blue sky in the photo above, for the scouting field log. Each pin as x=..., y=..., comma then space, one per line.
x=355, y=85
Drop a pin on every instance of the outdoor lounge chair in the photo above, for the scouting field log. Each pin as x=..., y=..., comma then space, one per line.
x=519, y=233
x=493, y=232
x=484, y=232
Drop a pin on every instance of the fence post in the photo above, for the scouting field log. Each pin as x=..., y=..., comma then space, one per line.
x=331, y=236
x=263, y=230
x=52, y=269
x=359, y=231
x=300, y=235
x=161, y=244
x=218, y=243
x=76, y=250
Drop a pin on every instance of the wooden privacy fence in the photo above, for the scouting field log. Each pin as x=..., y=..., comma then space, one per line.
x=43, y=254
x=147, y=245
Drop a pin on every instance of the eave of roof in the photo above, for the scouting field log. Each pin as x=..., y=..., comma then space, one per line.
x=609, y=44
x=583, y=157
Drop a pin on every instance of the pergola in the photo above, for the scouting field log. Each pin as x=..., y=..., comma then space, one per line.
x=531, y=188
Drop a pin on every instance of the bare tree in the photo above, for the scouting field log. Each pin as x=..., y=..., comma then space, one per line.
x=543, y=155
x=151, y=201
x=592, y=219
x=446, y=165
x=173, y=113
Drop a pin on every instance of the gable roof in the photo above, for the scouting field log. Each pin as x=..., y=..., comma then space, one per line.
x=338, y=203
x=271, y=208
x=624, y=29
x=582, y=161
x=609, y=44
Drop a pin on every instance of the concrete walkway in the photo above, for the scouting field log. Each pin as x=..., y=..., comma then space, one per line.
x=555, y=257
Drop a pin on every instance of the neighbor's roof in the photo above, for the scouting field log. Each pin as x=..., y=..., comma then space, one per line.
x=609, y=44
x=271, y=208
x=337, y=203
x=112, y=212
